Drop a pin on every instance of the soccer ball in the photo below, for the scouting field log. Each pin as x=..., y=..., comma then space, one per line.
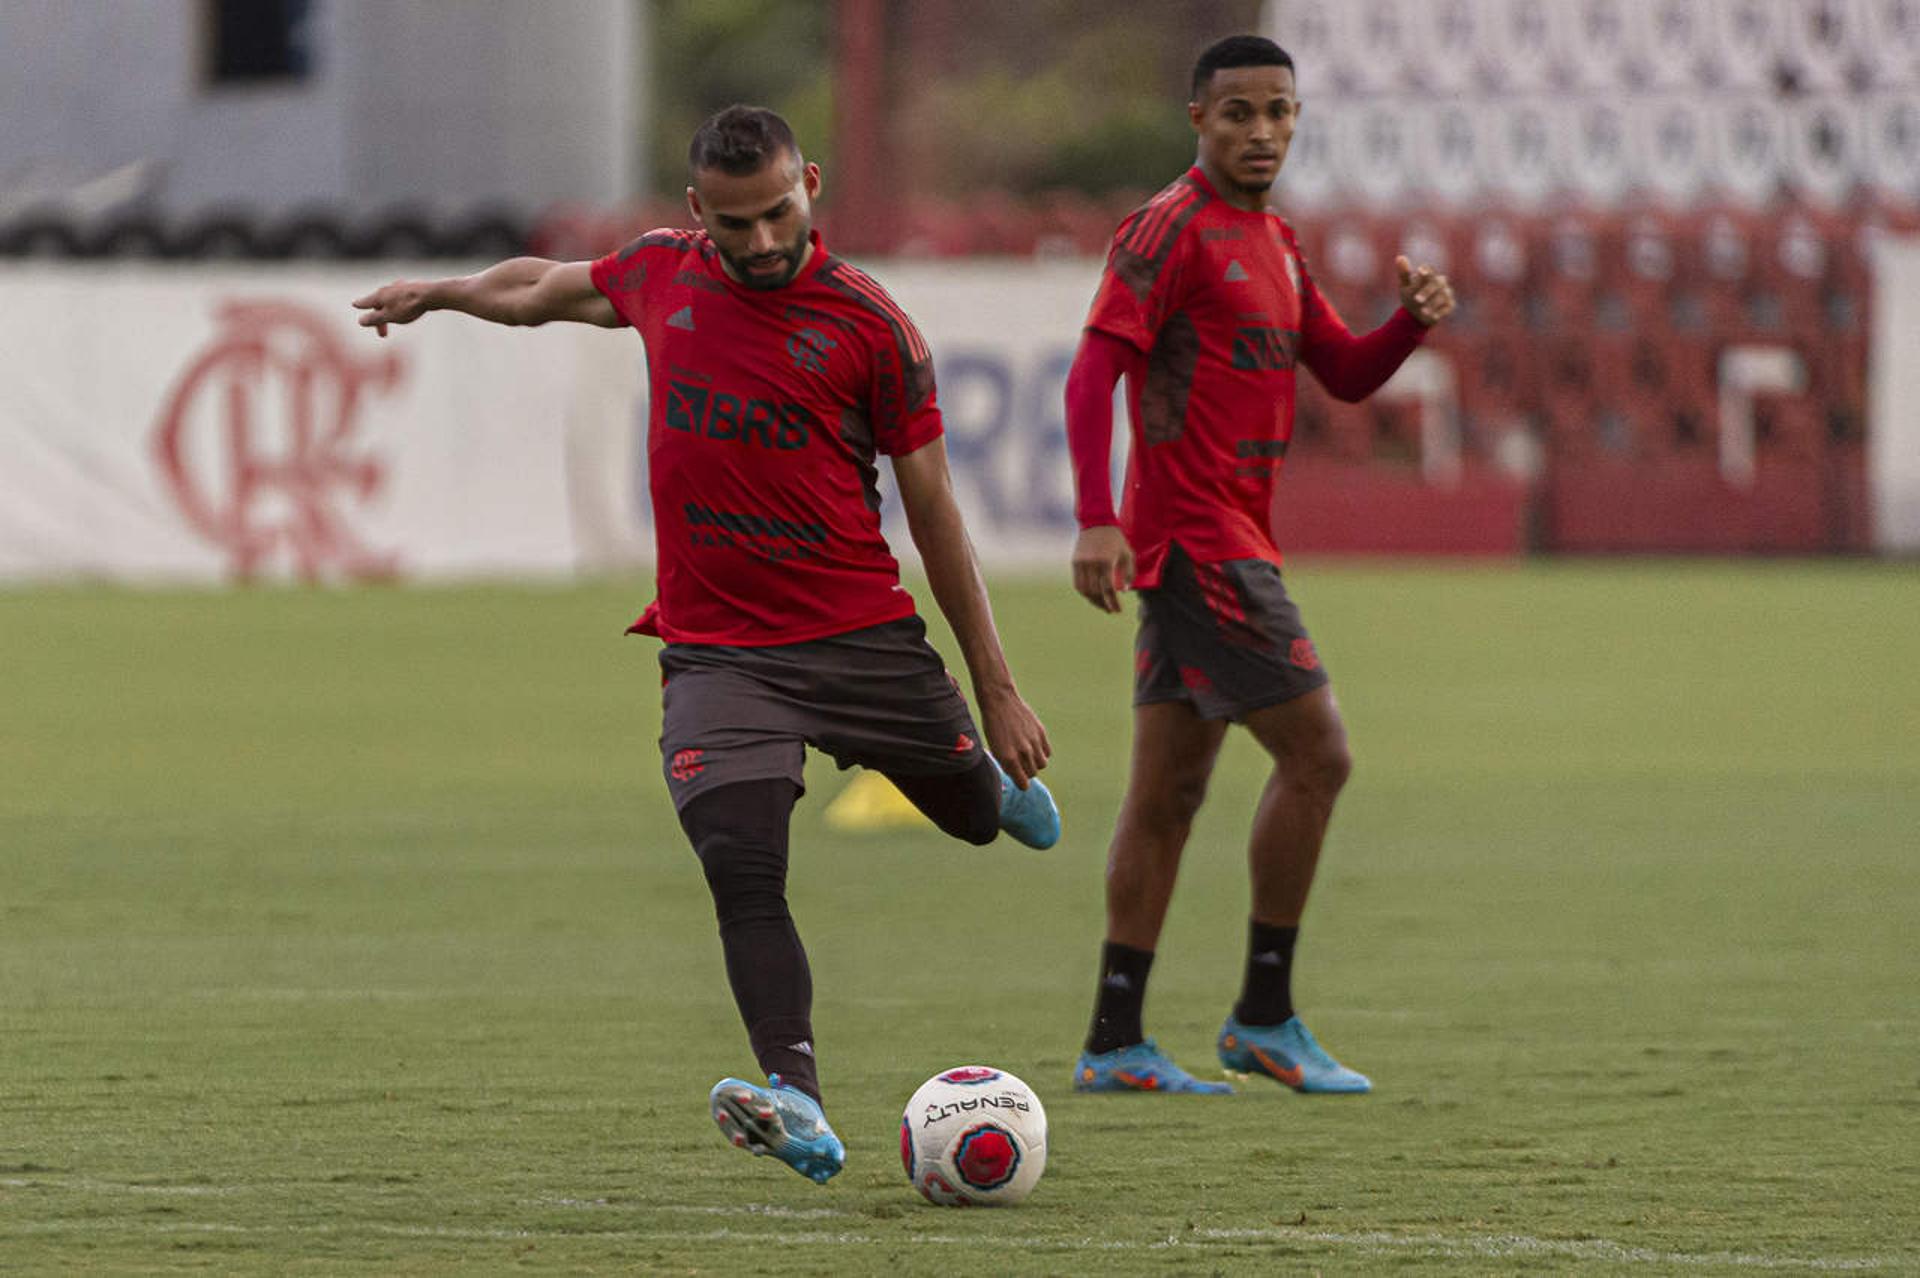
x=974, y=1136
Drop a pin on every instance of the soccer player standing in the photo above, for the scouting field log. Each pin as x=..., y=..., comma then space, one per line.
x=1206, y=307
x=778, y=373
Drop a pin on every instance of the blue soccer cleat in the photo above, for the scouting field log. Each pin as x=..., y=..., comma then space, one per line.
x=1029, y=815
x=1287, y=1053
x=778, y=1120
x=1141, y=1067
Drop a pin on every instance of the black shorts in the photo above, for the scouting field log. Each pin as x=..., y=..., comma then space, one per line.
x=879, y=697
x=1222, y=637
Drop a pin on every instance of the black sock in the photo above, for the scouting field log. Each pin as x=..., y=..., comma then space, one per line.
x=740, y=834
x=1123, y=989
x=1267, y=996
x=785, y=1047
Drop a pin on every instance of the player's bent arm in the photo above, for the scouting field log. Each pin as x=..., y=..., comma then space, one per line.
x=953, y=571
x=1352, y=368
x=519, y=291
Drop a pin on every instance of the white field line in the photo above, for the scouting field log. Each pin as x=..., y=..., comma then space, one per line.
x=1494, y=1246
x=1471, y=1246
x=697, y=1209
x=122, y=1187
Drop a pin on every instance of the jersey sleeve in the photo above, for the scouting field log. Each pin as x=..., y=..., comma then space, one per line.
x=902, y=409
x=905, y=410
x=621, y=276
x=1141, y=285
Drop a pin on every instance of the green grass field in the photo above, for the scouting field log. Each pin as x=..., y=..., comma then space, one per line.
x=350, y=931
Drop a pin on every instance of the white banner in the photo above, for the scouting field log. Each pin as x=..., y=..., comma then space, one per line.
x=214, y=424
x=208, y=424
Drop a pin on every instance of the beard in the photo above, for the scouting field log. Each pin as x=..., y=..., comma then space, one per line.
x=1253, y=184
x=789, y=267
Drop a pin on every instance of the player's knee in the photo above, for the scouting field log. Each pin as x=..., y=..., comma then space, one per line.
x=745, y=867
x=1326, y=767
x=746, y=881
x=1173, y=804
x=739, y=832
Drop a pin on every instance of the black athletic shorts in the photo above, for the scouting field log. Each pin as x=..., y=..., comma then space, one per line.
x=1222, y=637
x=879, y=697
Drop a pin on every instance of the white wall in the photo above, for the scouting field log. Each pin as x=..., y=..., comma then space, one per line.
x=448, y=102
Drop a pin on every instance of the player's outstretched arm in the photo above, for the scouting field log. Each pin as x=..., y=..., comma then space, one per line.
x=1102, y=559
x=1014, y=732
x=520, y=290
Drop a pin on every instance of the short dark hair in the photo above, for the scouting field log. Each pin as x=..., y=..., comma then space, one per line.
x=1237, y=51
x=740, y=139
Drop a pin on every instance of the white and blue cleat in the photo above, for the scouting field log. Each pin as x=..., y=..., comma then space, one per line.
x=780, y=1121
x=1029, y=815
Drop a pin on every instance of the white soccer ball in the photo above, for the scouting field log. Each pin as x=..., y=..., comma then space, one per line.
x=974, y=1136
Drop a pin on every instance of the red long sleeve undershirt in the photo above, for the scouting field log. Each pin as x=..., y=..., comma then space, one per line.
x=1349, y=367
x=1097, y=368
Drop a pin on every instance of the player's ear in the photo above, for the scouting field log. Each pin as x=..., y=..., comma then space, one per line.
x=693, y=205
x=810, y=176
x=1196, y=113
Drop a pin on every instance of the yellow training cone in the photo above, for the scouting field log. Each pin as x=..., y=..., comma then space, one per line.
x=871, y=802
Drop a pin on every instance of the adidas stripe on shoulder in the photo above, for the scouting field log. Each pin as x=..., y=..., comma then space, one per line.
x=1145, y=241
x=663, y=237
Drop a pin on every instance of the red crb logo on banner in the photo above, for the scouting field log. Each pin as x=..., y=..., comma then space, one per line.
x=255, y=442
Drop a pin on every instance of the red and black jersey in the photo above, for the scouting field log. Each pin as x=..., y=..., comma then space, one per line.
x=1219, y=307
x=767, y=410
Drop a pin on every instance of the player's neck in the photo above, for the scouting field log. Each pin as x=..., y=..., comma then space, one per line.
x=1237, y=196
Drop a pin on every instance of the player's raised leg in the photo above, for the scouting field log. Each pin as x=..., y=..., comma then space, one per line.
x=913, y=725
x=977, y=804
x=1307, y=742
x=1173, y=756
x=739, y=831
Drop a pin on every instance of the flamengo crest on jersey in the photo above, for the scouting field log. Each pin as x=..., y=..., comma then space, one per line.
x=767, y=412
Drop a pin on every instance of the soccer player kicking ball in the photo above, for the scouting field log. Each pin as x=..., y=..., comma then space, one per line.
x=777, y=373
x=1205, y=307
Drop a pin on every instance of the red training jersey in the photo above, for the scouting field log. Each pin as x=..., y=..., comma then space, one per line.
x=1218, y=305
x=767, y=409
